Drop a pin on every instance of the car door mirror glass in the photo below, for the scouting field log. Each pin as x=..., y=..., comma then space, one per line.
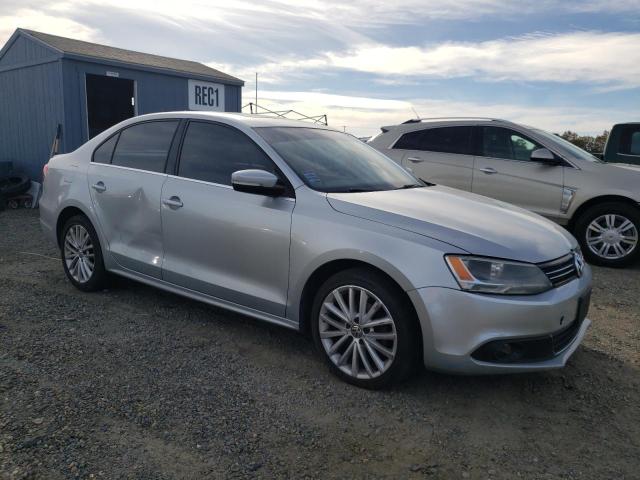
x=545, y=156
x=257, y=181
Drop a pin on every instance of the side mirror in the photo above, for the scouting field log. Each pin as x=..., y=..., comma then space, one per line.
x=542, y=155
x=259, y=182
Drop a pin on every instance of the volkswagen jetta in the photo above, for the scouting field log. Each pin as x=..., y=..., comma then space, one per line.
x=309, y=228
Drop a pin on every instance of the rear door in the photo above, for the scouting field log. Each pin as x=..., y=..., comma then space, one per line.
x=441, y=155
x=125, y=181
x=227, y=244
x=504, y=171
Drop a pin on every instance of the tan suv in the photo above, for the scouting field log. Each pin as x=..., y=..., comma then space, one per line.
x=539, y=171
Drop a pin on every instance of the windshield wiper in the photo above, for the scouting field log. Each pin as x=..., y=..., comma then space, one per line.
x=410, y=185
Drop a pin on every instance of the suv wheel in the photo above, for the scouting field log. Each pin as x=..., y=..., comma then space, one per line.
x=364, y=329
x=609, y=234
x=82, y=255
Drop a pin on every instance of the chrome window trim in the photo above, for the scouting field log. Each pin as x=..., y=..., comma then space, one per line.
x=129, y=168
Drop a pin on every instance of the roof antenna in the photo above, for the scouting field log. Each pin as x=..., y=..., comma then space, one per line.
x=414, y=111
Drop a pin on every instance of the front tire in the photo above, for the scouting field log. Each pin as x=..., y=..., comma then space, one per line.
x=364, y=328
x=609, y=234
x=82, y=255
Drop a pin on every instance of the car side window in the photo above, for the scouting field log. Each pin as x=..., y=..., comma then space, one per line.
x=457, y=140
x=145, y=146
x=103, y=153
x=498, y=142
x=212, y=152
x=630, y=141
x=409, y=141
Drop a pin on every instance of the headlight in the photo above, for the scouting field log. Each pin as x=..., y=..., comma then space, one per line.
x=490, y=275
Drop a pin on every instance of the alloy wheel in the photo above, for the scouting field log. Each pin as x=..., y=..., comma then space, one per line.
x=612, y=236
x=357, y=332
x=78, y=253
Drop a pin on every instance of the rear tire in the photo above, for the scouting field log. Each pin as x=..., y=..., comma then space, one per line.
x=609, y=234
x=82, y=255
x=388, y=351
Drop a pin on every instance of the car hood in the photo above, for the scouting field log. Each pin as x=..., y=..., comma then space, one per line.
x=626, y=166
x=476, y=224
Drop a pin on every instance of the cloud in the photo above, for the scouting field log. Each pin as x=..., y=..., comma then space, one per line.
x=583, y=57
x=38, y=20
x=363, y=116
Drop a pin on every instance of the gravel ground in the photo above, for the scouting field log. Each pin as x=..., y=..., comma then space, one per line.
x=136, y=383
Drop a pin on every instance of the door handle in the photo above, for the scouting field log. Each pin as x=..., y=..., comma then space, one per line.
x=415, y=159
x=173, y=202
x=99, y=187
x=489, y=170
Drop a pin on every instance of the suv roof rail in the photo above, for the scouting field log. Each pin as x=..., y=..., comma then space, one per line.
x=418, y=120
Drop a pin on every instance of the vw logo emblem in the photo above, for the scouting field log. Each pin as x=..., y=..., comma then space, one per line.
x=578, y=261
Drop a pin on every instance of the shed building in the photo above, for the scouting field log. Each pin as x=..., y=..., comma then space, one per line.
x=51, y=85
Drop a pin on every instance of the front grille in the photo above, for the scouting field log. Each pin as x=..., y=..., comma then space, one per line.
x=560, y=271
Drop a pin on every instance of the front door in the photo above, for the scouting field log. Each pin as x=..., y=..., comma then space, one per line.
x=125, y=184
x=110, y=100
x=227, y=244
x=505, y=172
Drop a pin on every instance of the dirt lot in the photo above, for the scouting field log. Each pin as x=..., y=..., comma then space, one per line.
x=136, y=383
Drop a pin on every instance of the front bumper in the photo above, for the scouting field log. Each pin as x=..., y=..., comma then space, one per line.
x=455, y=324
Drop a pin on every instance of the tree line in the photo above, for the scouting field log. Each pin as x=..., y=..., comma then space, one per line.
x=586, y=142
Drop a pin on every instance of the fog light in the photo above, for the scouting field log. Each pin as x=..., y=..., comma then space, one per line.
x=503, y=351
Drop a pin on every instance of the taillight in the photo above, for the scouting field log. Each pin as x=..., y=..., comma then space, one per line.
x=45, y=170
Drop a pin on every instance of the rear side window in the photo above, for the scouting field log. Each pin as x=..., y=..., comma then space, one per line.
x=103, y=153
x=457, y=140
x=145, y=146
x=630, y=141
x=409, y=141
x=498, y=142
x=212, y=152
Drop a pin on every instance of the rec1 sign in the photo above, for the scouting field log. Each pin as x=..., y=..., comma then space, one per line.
x=206, y=96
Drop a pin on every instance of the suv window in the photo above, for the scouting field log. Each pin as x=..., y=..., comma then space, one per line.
x=445, y=140
x=630, y=140
x=103, y=153
x=145, y=146
x=212, y=152
x=498, y=142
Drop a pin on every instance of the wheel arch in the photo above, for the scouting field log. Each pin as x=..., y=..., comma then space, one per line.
x=599, y=200
x=326, y=270
x=65, y=214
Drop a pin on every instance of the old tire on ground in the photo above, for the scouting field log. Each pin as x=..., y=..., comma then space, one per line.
x=609, y=234
x=82, y=255
x=14, y=184
x=365, y=329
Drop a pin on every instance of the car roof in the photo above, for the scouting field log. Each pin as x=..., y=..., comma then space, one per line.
x=417, y=124
x=238, y=119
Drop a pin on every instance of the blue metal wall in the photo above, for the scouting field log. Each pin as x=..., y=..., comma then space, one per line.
x=23, y=50
x=31, y=107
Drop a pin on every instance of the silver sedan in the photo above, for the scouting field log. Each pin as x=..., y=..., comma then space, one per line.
x=311, y=229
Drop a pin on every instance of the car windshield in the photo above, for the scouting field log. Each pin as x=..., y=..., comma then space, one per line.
x=330, y=161
x=568, y=146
